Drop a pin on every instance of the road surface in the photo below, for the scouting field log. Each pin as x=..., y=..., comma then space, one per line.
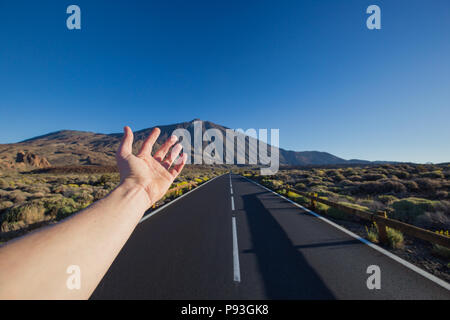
x=233, y=239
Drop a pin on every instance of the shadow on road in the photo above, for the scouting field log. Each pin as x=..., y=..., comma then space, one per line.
x=286, y=273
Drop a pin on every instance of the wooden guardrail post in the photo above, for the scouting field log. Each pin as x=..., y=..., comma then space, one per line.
x=313, y=201
x=381, y=226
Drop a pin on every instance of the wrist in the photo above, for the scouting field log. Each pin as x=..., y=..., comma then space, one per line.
x=135, y=192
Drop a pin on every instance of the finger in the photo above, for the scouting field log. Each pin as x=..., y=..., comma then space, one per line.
x=126, y=146
x=177, y=168
x=172, y=156
x=161, y=153
x=147, y=147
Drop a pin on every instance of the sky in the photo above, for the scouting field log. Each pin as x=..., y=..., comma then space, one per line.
x=309, y=68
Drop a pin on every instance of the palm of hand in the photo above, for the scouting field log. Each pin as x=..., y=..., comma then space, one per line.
x=149, y=172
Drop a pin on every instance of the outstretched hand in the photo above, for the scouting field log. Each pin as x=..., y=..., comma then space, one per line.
x=154, y=173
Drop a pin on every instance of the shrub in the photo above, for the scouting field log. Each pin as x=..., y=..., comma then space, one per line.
x=410, y=208
x=346, y=183
x=441, y=194
x=355, y=178
x=338, y=177
x=297, y=198
x=401, y=174
x=437, y=174
x=28, y=213
x=60, y=208
x=441, y=251
x=292, y=195
x=18, y=196
x=100, y=194
x=395, y=238
x=438, y=218
x=447, y=174
x=274, y=184
x=373, y=177
x=6, y=205
x=382, y=186
x=371, y=204
x=387, y=199
x=427, y=184
x=12, y=226
x=410, y=185
x=37, y=195
x=300, y=186
x=105, y=178
x=4, y=194
x=3, y=184
x=319, y=172
x=321, y=207
x=83, y=198
x=37, y=189
x=349, y=172
x=372, y=234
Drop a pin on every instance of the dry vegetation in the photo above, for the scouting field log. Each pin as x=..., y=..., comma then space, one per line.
x=28, y=201
x=416, y=194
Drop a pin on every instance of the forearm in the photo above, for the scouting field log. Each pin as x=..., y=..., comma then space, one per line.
x=34, y=267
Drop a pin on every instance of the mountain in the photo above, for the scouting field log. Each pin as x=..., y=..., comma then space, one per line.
x=78, y=148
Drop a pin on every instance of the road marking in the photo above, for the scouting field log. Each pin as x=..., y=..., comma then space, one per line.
x=175, y=200
x=394, y=257
x=232, y=203
x=231, y=186
x=236, y=268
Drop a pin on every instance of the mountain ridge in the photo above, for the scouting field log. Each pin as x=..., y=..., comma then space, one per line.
x=74, y=147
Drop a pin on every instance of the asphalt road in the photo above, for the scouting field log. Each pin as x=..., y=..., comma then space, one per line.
x=251, y=244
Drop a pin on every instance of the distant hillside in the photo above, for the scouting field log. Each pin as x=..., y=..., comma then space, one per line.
x=78, y=148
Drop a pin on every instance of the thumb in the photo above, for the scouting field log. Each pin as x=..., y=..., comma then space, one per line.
x=126, y=146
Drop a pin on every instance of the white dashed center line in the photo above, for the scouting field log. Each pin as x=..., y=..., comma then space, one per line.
x=236, y=267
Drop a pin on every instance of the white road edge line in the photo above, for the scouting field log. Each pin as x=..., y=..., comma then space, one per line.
x=175, y=200
x=236, y=268
x=405, y=263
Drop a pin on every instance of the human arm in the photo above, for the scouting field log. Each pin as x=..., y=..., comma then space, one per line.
x=35, y=266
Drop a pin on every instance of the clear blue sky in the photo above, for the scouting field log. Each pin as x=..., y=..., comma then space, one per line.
x=310, y=68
